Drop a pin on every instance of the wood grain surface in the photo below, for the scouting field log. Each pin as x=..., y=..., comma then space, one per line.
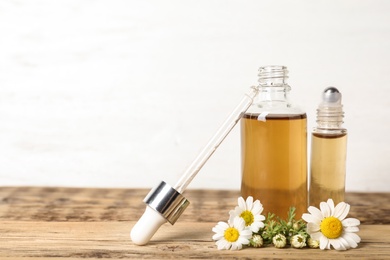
x=74, y=223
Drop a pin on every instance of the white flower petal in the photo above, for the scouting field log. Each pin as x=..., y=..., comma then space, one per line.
x=239, y=223
x=231, y=220
x=316, y=236
x=340, y=210
x=350, y=222
x=223, y=225
x=331, y=205
x=351, y=229
x=217, y=236
x=256, y=208
x=324, y=243
x=344, y=243
x=304, y=215
x=233, y=212
x=222, y=244
x=259, y=218
x=325, y=209
x=249, y=203
x=237, y=212
x=353, y=236
x=260, y=224
x=352, y=243
x=243, y=241
x=241, y=203
x=219, y=244
x=228, y=245
x=310, y=218
x=312, y=227
x=316, y=213
x=255, y=227
x=219, y=229
x=246, y=233
x=336, y=243
x=236, y=246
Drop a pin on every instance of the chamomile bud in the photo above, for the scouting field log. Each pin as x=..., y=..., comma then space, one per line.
x=256, y=241
x=313, y=243
x=298, y=241
x=296, y=226
x=279, y=241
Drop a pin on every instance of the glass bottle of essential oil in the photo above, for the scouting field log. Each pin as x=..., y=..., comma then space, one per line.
x=274, y=147
x=329, y=151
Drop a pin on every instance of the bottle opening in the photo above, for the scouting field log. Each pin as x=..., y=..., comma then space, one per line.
x=273, y=75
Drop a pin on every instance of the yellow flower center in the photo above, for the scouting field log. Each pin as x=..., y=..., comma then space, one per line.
x=331, y=227
x=248, y=217
x=231, y=234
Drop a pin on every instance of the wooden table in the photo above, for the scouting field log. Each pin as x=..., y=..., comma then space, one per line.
x=73, y=223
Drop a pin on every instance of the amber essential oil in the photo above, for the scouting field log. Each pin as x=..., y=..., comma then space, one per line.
x=274, y=162
x=327, y=168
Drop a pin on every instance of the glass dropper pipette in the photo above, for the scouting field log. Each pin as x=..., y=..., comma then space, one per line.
x=165, y=203
x=216, y=140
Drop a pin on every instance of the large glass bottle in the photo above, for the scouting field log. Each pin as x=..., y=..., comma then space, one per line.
x=328, y=151
x=274, y=147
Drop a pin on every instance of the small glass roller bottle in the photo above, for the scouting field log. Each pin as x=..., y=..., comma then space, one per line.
x=328, y=151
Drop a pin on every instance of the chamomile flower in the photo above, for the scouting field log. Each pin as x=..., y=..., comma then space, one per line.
x=250, y=212
x=329, y=226
x=231, y=235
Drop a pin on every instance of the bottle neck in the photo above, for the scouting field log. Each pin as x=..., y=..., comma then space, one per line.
x=273, y=87
x=274, y=93
x=330, y=120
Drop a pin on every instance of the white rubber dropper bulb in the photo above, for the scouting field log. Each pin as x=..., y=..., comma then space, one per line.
x=146, y=226
x=163, y=204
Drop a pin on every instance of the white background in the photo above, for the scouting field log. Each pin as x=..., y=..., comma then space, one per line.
x=125, y=93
